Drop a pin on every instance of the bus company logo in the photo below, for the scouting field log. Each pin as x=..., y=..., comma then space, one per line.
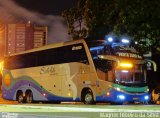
x=7, y=80
x=48, y=70
x=131, y=49
x=76, y=47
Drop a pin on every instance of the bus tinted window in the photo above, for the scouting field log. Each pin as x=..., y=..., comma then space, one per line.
x=65, y=54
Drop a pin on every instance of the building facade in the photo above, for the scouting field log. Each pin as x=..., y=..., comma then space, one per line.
x=21, y=37
x=2, y=40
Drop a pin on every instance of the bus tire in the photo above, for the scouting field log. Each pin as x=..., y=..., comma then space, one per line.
x=20, y=97
x=88, y=97
x=29, y=97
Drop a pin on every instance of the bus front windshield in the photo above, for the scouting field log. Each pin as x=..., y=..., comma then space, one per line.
x=131, y=77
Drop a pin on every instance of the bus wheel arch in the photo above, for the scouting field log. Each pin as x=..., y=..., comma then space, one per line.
x=19, y=96
x=28, y=96
x=87, y=96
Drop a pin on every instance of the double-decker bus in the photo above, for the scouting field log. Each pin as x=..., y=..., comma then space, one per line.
x=87, y=71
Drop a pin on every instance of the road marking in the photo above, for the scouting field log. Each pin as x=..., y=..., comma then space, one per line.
x=77, y=109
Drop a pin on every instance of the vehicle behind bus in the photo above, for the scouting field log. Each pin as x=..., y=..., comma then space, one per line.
x=122, y=68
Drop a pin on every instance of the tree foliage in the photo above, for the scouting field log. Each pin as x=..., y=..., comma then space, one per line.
x=75, y=20
x=100, y=17
x=139, y=19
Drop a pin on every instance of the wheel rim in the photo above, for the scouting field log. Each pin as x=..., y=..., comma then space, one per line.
x=88, y=98
x=20, y=99
x=29, y=98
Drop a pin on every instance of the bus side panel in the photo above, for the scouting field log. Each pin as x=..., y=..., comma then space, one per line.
x=41, y=85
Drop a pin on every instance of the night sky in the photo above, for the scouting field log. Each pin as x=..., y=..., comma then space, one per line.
x=38, y=12
x=48, y=7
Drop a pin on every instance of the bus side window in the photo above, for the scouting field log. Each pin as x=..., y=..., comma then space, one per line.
x=65, y=54
x=104, y=69
x=103, y=65
x=42, y=58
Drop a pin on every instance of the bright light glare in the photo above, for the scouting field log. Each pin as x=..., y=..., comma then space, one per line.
x=69, y=94
x=126, y=65
x=146, y=97
x=125, y=41
x=44, y=94
x=110, y=39
x=124, y=71
x=107, y=93
x=118, y=89
x=136, y=42
x=122, y=97
x=1, y=67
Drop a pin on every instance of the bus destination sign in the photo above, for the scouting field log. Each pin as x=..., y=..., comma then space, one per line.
x=130, y=55
x=129, y=52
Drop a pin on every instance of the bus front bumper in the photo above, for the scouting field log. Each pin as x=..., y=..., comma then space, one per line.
x=121, y=97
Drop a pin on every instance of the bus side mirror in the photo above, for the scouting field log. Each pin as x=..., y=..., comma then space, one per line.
x=151, y=65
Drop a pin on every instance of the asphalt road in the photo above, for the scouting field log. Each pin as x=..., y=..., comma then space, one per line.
x=79, y=111
x=11, y=109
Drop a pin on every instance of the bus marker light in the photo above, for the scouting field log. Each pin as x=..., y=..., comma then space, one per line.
x=69, y=94
x=122, y=97
x=107, y=93
x=125, y=40
x=44, y=94
x=126, y=65
x=146, y=97
x=110, y=39
x=118, y=89
x=124, y=71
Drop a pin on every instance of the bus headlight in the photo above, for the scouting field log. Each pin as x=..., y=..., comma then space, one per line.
x=121, y=97
x=146, y=97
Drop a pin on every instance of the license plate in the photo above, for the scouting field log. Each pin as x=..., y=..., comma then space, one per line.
x=135, y=98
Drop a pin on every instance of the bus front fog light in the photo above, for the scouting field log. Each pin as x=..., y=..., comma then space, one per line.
x=146, y=97
x=122, y=97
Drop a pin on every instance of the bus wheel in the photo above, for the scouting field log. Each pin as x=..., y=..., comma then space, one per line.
x=88, y=97
x=146, y=103
x=29, y=97
x=20, y=98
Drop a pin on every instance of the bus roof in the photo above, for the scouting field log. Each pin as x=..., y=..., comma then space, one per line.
x=49, y=46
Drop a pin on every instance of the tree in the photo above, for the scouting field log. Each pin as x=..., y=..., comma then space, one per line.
x=97, y=15
x=139, y=19
x=100, y=17
x=75, y=20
